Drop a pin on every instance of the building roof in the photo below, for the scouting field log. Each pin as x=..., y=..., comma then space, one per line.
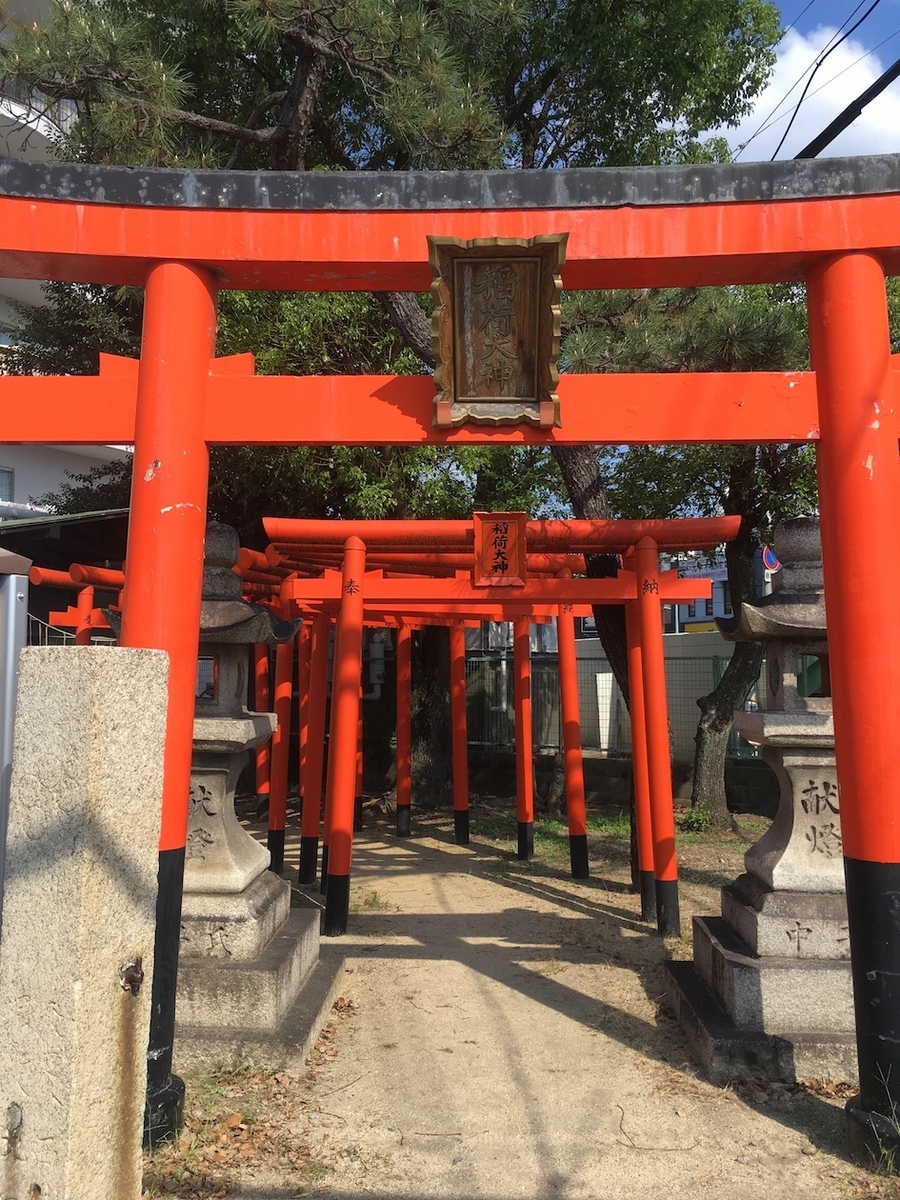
x=56, y=540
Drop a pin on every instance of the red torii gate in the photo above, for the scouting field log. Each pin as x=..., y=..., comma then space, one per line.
x=834, y=225
x=641, y=589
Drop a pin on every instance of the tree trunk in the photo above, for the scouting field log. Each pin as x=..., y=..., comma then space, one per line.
x=718, y=708
x=581, y=475
x=711, y=739
x=296, y=116
x=432, y=758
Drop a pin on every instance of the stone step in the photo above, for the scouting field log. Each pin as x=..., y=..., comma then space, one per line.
x=769, y=924
x=771, y=995
x=251, y=996
x=725, y=1052
x=198, y=1046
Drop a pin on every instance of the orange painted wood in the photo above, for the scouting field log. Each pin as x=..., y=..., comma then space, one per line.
x=315, y=755
x=656, y=712
x=687, y=245
x=576, y=808
x=341, y=783
x=524, y=731
x=571, y=536
x=98, y=576
x=304, y=669
x=458, y=718
x=167, y=525
x=643, y=818
x=262, y=753
x=859, y=499
x=403, y=652
x=278, y=774
x=381, y=409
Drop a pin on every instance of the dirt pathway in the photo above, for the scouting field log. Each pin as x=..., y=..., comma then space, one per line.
x=501, y=1037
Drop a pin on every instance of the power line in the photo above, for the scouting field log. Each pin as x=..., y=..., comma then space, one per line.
x=814, y=66
x=850, y=113
x=771, y=119
x=819, y=63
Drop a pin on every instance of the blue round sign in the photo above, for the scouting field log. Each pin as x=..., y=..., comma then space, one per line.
x=770, y=562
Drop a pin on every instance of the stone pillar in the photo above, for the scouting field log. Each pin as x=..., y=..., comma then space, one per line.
x=245, y=956
x=769, y=992
x=76, y=956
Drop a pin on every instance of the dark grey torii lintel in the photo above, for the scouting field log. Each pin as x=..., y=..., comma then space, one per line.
x=322, y=191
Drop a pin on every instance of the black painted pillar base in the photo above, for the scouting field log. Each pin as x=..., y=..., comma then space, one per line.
x=461, y=826
x=309, y=860
x=873, y=905
x=323, y=884
x=578, y=856
x=668, y=917
x=165, y=1092
x=163, y=1112
x=872, y=1139
x=262, y=805
x=647, y=887
x=275, y=846
x=526, y=840
x=357, y=814
x=403, y=820
x=337, y=905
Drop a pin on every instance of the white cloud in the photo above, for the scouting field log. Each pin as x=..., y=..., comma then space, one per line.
x=841, y=78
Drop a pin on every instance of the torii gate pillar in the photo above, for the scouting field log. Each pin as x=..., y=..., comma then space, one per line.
x=162, y=602
x=859, y=479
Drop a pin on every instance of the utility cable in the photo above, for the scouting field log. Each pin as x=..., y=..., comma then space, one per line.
x=850, y=113
x=819, y=62
x=771, y=119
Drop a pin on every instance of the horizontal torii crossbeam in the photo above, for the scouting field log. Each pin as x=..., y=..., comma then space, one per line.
x=182, y=235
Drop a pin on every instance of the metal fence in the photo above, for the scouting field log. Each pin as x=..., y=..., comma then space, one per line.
x=490, y=708
x=605, y=724
x=42, y=634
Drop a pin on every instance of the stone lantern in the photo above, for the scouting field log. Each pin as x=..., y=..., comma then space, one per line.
x=220, y=856
x=769, y=992
x=245, y=955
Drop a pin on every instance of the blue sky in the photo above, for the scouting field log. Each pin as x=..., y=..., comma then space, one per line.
x=849, y=69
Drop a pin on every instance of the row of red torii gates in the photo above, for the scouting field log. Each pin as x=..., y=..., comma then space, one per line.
x=407, y=574
x=833, y=225
x=420, y=576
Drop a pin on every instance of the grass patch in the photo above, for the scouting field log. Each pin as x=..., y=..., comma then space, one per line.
x=499, y=827
x=371, y=901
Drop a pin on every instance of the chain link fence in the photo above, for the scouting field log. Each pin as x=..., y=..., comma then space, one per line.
x=605, y=724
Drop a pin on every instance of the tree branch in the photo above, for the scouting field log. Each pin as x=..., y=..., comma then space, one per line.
x=407, y=317
x=227, y=128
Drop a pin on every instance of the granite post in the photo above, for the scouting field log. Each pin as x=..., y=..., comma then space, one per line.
x=245, y=955
x=769, y=992
x=76, y=955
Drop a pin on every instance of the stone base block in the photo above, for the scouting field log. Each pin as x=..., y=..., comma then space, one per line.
x=198, y=1046
x=251, y=996
x=772, y=995
x=235, y=927
x=787, y=924
x=725, y=1052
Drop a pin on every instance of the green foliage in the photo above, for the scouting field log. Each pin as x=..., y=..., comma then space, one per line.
x=393, y=84
x=709, y=329
x=371, y=84
x=591, y=81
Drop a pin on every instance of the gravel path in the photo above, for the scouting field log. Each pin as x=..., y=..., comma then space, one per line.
x=502, y=1038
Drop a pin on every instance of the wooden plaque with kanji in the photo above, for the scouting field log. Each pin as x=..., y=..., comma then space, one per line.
x=496, y=329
